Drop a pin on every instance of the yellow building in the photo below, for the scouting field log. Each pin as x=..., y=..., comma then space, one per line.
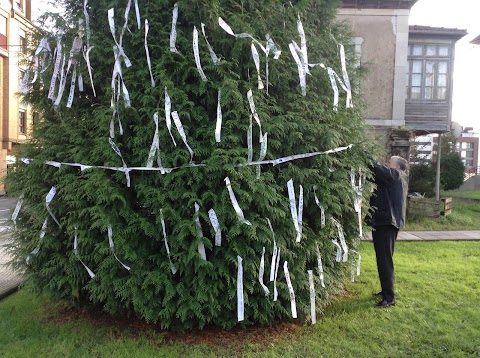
x=15, y=119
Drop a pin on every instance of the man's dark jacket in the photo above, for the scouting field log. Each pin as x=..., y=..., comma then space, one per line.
x=388, y=199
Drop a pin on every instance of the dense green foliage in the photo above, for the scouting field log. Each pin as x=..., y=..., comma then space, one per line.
x=422, y=179
x=452, y=171
x=201, y=292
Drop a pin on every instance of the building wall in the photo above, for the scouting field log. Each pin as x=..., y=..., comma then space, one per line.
x=384, y=53
x=474, y=143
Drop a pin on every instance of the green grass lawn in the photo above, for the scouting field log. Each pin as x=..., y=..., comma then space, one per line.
x=437, y=315
x=462, y=194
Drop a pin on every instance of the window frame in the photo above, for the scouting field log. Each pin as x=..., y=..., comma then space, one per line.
x=22, y=121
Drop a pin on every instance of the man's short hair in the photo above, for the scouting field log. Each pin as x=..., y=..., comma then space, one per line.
x=401, y=162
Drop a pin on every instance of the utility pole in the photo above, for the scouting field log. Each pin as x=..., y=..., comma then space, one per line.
x=439, y=157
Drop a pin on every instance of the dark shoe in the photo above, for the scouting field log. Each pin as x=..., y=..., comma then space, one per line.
x=378, y=294
x=385, y=304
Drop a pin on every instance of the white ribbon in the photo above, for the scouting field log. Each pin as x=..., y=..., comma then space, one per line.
x=346, y=80
x=229, y=31
x=254, y=112
x=72, y=87
x=256, y=60
x=125, y=169
x=17, y=209
x=48, y=200
x=320, y=268
x=341, y=236
x=261, y=271
x=172, y=267
x=240, y=298
x=274, y=254
x=250, y=141
x=42, y=235
x=149, y=63
x=43, y=46
x=263, y=153
x=216, y=227
x=178, y=124
x=173, y=32
x=63, y=80
x=213, y=55
x=277, y=264
x=137, y=13
x=155, y=147
x=290, y=290
x=313, y=311
x=110, y=243
x=24, y=87
x=322, y=210
x=301, y=68
x=90, y=272
x=53, y=164
x=86, y=56
x=196, y=54
x=80, y=83
x=303, y=44
x=201, y=245
x=56, y=68
x=218, y=126
x=234, y=201
x=168, y=112
x=338, y=258
x=296, y=215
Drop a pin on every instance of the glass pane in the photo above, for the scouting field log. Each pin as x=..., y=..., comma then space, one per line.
x=441, y=93
x=417, y=50
x=415, y=93
x=442, y=50
x=442, y=80
x=431, y=50
x=429, y=79
x=428, y=93
x=416, y=66
x=442, y=67
x=416, y=80
x=429, y=67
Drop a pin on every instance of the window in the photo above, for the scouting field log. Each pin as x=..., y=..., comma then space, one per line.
x=427, y=72
x=3, y=33
x=22, y=122
x=22, y=45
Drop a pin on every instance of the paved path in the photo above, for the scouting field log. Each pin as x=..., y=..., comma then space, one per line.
x=10, y=280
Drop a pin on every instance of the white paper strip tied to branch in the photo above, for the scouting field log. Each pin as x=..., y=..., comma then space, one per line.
x=229, y=31
x=256, y=60
x=17, y=209
x=42, y=235
x=43, y=46
x=250, y=141
x=218, y=126
x=196, y=54
x=276, y=54
x=168, y=113
x=338, y=257
x=322, y=210
x=261, y=271
x=277, y=264
x=125, y=169
x=254, y=113
x=320, y=268
x=213, y=55
x=172, y=267
x=300, y=67
x=110, y=243
x=263, y=153
x=48, y=200
x=61, y=87
x=201, y=245
x=137, y=14
x=293, y=305
x=234, y=201
x=173, y=32
x=155, y=147
x=296, y=215
x=313, y=311
x=274, y=253
x=216, y=227
x=240, y=298
x=341, y=236
x=90, y=272
x=346, y=80
x=71, y=94
x=111, y=22
x=149, y=63
x=181, y=131
x=56, y=68
x=24, y=85
x=303, y=45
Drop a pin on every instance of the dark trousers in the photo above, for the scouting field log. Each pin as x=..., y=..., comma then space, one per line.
x=384, y=242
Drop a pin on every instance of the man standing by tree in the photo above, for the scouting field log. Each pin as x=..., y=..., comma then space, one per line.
x=388, y=204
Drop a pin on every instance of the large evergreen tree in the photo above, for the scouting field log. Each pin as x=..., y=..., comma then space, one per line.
x=112, y=218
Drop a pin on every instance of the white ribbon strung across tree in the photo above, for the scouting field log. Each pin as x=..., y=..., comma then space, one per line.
x=296, y=214
x=196, y=54
x=277, y=264
x=240, y=298
x=218, y=126
x=261, y=272
x=313, y=311
x=124, y=169
x=346, y=80
x=181, y=131
x=137, y=14
x=56, y=69
x=147, y=52
x=75, y=251
x=338, y=257
x=37, y=248
x=48, y=200
x=300, y=66
x=88, y=48
x=155, y=147
x=201, y=245
x=111, y=245
x=254, y=113
x=293, y=304
x=263, y=152
x=256, y=60
x=235, y=205
x=320, y=267
x=213, y=55
x=322, y=209
x=172, y=267
x=250, y=141
x=216, y=227
x=43, y=47
x=173, y=32
x=341, y=236
x=17, y=209
x=274, y=252
x=168, y=114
